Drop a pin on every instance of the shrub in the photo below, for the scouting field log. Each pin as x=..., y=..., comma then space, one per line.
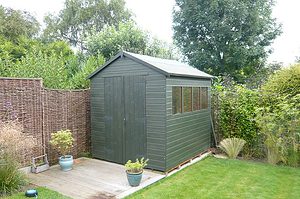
x=279, y=116
x=13, y=142
x=11, y=179
x=13, y=146
x=232, y=146
x=136, y=167
x=62, y=141
x=236, y=113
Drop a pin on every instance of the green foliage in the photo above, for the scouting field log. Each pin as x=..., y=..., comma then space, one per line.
x=11, y=179
x=111, y=40
x=39, y=65
x=128, y=37
x=79, y=80
x=62, y=141
x=82, y=18
x=285, y=82
x=137, y=166
x=232, y=146
x=16, y=23
x=279, y=116
x=54, y=62
x=237, y=106
x=225, y=37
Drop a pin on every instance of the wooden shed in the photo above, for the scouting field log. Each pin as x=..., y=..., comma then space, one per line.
x=149, y=107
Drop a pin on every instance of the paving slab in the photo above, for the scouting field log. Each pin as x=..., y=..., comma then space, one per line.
x=92, y=179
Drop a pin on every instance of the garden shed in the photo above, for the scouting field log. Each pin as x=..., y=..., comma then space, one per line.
x=149, y=107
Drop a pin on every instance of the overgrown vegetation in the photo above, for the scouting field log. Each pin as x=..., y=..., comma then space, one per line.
x=237, y=105
x=73, y=44
x=267, y=118
x=279, y=116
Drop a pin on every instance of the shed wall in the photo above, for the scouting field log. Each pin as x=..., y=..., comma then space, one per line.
x=155, y=109
x=188, y=134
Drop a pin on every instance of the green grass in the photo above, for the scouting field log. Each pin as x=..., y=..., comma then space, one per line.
x=43, y=193
x=220, y=178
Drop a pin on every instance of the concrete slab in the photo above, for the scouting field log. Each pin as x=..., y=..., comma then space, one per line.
x=92, y=179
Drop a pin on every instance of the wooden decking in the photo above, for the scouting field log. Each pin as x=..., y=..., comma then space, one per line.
x=91, y=179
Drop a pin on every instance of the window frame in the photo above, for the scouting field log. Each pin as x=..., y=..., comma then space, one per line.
x=181, y=103
x=201, y=99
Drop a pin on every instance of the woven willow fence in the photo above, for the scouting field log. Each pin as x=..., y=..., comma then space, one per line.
x=43, y=111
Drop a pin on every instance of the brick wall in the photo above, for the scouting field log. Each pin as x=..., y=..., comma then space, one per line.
x=43, y=111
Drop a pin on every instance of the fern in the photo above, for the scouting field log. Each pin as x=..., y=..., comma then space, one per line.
x=232, y=146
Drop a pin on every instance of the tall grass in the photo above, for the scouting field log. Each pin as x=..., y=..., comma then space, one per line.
x=11, y=179
x=14, y=144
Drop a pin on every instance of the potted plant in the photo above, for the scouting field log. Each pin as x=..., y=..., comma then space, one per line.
x=62, y=141
x=134, y=171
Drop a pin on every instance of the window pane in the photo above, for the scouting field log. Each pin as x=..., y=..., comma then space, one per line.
x=204, y=98
x=176, y=100
x=196, y=99
x=187, y=99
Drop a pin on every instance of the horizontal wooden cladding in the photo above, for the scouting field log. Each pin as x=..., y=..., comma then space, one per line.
x=185, y=117
x=188, y=153
x=124, y=66
x=187, y=140
x=188, y=134
x=177, y=81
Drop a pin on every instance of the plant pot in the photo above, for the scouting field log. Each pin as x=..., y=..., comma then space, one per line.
x=134, y=179
x=66, y=162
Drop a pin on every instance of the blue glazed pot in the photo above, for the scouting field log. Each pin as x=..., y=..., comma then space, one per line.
x=134, y=179
x=66, y=162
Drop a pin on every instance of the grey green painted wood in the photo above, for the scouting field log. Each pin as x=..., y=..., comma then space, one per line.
x=155, y=109
x=134, y=124
x=143, y=96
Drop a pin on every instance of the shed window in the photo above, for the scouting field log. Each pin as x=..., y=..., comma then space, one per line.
x=176, y=100
x=187, y=99
x=196, y=98
x=203, y=98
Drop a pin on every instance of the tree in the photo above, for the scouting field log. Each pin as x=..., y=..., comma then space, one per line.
x=16, y=23
x=81, y=18
x=225, y=36
x=128, y=37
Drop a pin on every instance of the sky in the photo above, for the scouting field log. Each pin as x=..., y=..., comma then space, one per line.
x=155, y=16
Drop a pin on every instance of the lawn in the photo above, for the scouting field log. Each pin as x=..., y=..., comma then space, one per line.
x=43, y=193
x=221, y=178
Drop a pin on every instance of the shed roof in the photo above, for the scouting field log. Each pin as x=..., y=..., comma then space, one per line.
x=164, y=66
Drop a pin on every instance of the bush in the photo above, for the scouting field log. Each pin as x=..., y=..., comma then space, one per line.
x=56, y=70
x=232, y=146
x=279, y=116
x=236, y=113
x=11, y=179
x=13, y=146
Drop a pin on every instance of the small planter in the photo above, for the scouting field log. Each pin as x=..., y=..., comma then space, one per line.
x=134, y=179
x=66, y=162
x=40, y=164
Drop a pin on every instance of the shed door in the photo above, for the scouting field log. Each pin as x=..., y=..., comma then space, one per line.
x=125, y=113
